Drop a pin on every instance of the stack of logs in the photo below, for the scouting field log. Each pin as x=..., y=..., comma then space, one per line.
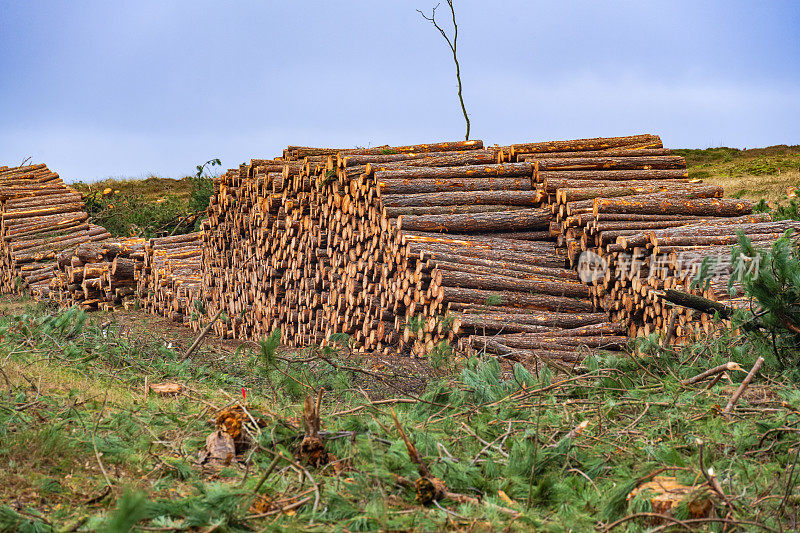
x=98, y=274
x=634, y=224
x=693, y=258
x=50, y=249
x=40, y=217
x=397, y=247
x=170, y=281
x=544, y=251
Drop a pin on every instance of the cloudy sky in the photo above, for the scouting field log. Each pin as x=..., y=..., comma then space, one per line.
x=99, y=89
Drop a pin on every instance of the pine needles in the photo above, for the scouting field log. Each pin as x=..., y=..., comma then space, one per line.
x=512, y=448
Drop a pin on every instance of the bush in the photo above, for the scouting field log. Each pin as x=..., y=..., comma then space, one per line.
x=201, y=192
x=772, y=278
x=202, y=187
x=129, y=214
x=781, y=212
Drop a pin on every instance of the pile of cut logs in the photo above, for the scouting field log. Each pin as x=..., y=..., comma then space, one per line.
x=170, y=281
x=98, y=274
x=398, y=247
x=50, y=249
x=634, y=224
x=40, y=217
x=694, y=259
x=539, y=251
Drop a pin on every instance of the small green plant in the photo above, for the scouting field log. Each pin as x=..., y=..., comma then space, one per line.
x=268, y=347
x=791, y=211
x=442, y=356
x=202, y=186
x=771, y=276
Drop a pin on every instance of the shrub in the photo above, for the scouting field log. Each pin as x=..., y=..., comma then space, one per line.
x=202, y=187
x=772, y=278
x=781, y=212
x=129, y=214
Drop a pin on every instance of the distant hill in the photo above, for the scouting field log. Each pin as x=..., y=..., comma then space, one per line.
x=152, y=188
x=754, y=173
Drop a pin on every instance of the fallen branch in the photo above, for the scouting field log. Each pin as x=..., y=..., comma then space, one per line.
x=429, y=488
x=743, y=386
x=371, y=403
x=687, y=523
x=699, y=303
x=730, y=365
x=94, y=444
x=203, y=333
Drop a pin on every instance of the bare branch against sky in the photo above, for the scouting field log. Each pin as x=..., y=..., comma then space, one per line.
x=453, y=47
x=124, y=89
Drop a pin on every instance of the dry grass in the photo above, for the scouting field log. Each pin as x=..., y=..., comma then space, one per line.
x=754, y=174
x=151, y=189
x=771, y=188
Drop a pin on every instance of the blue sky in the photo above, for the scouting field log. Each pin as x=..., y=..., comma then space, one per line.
x=99, y=89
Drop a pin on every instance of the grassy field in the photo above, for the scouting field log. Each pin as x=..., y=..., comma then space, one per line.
x=151, y=189
x=84, y=446
x=753, y=174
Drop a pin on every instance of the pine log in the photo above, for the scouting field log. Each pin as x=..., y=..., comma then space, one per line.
x=523, y=219
x=611, y=163
x=453, y=278
x=394, y=212
x=671, y=205
x=516, y=299
x=429, y=185
x=453, y=159
x=506, y=170
x=519, y=198
x=441, y=257
x=575, y=194
x=581, y=145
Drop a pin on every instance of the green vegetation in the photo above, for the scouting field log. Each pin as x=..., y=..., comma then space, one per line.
x=152, y=207
x=130, y=215
x=755, y=174
x=772, y=278
x=518, y=447
x=149, y=189
x=790, y=211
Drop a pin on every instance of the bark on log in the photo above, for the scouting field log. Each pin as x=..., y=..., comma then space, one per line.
x=453, y=278
x=674, y=206
x=394, y=212
x=517, y=299
x=612, y=163
x=519, y=198
x=505, y=170
x=523, y=219
x=429, y=185
x=582, y=145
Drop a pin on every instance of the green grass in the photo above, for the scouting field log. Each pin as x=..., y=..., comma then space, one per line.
x=753, y=174
x=153, y=207
x=491, y=431
x=150, y=189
